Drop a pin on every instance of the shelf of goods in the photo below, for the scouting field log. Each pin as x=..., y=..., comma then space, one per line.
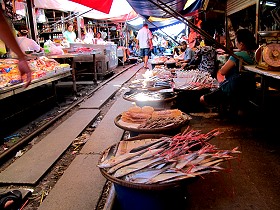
x=10, y=79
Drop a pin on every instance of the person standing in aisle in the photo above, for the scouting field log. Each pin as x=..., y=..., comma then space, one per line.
x=6, y=35
x=155, y=44
x=163, y=45
x=144, y=43
x=69, y=34
x=25, y=43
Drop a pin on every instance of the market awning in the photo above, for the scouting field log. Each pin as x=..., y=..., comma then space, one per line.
x=102, y=6
x=119, y=8
x=151, y=8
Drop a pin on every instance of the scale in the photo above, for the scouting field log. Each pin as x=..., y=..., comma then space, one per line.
x=268, y=54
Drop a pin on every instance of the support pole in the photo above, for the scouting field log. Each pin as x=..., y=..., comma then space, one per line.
x=31, y=20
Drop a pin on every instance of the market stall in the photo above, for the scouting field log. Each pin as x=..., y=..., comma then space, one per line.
x=44, y=70
x=102, y=56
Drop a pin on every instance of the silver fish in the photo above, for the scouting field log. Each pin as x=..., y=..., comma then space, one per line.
x=155, y=144
x=144, y=175
x=148, y=154
x=136, y=166
x=165, y=176
x=114, y=160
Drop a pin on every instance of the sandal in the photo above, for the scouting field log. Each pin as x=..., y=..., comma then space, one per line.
x=13, y=195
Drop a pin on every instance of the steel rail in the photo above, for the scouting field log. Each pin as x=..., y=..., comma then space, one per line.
x=13, y=149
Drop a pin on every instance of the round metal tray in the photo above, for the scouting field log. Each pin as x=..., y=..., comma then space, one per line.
x=166, y=96
x=186, y=120
x=269, y=33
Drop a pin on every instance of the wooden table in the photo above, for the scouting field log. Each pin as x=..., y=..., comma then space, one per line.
x=64, y=57
x=265, y=76
x=80, y=57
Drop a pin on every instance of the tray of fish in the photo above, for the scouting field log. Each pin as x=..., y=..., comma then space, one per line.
x=155, y=161
x=149, y=96
x=151, y=85
x=149, y=120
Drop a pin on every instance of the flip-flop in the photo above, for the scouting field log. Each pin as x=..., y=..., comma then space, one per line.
x=13, y=195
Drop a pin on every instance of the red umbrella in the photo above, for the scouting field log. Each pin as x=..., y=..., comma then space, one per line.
x=100, y=5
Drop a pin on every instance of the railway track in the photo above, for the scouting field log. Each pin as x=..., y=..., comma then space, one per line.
x=19, y=139
x=24, y=143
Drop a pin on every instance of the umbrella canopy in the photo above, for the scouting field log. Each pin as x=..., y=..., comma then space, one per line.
x=102, y=6
x=118, y=8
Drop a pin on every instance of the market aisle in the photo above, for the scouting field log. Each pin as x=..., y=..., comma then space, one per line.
x=249, y=182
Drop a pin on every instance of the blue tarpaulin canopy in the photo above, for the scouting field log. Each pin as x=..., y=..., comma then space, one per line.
x=153, y=8
x=153, y=11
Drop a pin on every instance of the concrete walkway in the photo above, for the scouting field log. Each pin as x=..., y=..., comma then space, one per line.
x=31, y=166
x=81, y=185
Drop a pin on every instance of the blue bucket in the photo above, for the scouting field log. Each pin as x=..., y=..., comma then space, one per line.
x=142, y=199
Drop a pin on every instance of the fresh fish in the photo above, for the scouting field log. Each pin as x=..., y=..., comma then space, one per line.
x=136, y=166
x=202, y=168
x=204, y=172
x=114, y=160
x=186, y=176
x=165, y=176
x=211, y=163
x=144, y=175
x=148, y=154
x=183, y=160
x=153, y=144
x=108, y=153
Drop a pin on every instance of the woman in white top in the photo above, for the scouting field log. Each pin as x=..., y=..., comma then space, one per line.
x=98, y=39
x=25, y=43
x=89, y=37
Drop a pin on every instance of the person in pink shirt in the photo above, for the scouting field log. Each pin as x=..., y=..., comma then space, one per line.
x=25, y=43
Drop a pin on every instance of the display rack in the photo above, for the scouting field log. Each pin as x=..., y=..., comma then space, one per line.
x=18, y=88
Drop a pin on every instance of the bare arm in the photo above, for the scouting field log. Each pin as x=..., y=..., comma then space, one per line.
x=7, y=36
x=226, y=67
x=137, y=44
x=151, y=44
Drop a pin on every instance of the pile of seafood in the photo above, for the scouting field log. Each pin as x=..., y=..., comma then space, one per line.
x=147, y=117
x=159, y=59
x=152, y=80
x=148, y=96
x=194, y=80
x=10, y=75
x=167, y=159
x=170, y=60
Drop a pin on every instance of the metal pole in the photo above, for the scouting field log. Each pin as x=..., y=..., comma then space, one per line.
x=79, y=27
x=31, y=20
x=257, y=26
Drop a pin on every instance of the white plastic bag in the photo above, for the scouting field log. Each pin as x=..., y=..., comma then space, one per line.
x=51, y=49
